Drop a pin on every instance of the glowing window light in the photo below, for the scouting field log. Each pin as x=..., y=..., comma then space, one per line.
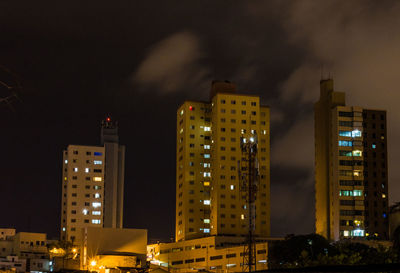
x=87, y=170
x=206, y=221
x=207, y=202
x=66, y=161
x=346, y=233
x=357, y=153
x=96, y=221
x=357, y=232
x=96, y=204
x=206, y=230
x=206, y=183
x=97, y=179
x=96, y=212
x=75, y=170
x=356, y=133
x=207, y=129
x=85, y=211
x=232, y=187
x=97, y=162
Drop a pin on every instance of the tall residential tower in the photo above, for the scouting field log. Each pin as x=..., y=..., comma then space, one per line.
x=351, y=188
x=208, y=196
x=93, y=185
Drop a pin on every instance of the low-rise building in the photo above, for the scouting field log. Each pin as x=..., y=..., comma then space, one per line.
x=30, y=245
x=13, y=263
x=6, y=233
x=215, y=253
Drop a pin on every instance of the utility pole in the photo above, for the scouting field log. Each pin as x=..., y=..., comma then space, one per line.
x=249, y=178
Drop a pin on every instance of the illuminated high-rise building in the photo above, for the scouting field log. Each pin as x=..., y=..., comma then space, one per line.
x=93, y=185
x=209, y=201
x=351, y=188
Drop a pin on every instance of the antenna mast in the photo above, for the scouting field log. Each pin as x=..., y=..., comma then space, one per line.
x=249, y=178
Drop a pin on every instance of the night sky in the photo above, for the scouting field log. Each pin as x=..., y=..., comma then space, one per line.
x=78, y=61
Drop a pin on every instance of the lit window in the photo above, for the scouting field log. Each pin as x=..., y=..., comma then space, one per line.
x=98, y=153
x=87, y=170
x=345, y=233
x=345, y=133
x=97, y=162
x=207, y=202
x=206, y=221
x=96, y=212
x=207, y=147
x=66, y=161
x=232, y=187
x=181, y=112
x=96, y=204
x=97, y=195
x=63, y=228
x=97, y=178
x=75, y=170
x=207, y=165
x=357, y=192
x=207, y=129
x=264, y=132
x=85, y=211
x=96, y=221
x=383, y=195
x=345, y=143
x=206, y=230
x=206, y=155
x=206, y=183
x=357, y=173
x=242, y=216
x=356, y=133
x=207, y=174
x=373, y=146
x=357, y=232
x=357, y=153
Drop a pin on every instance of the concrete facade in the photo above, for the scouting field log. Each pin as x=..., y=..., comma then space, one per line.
x=208, y=197
x=216, y=254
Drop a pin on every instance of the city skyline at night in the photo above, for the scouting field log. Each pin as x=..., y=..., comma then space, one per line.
x=75, y=64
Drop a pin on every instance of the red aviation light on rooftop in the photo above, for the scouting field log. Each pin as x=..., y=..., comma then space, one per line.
x=108, y=119
x=191, y=108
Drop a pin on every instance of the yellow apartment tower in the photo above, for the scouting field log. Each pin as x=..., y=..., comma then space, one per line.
x=351, y=186
x=209, y=201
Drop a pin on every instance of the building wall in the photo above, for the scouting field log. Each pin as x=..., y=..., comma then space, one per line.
x=210, y=253
x=6, y=248
x=114, y=185
x=102, y=243
x=322, y=117
x=30, y=245
x=6, y=233
x=82, y=189
x=13, y=263
x=376, y=174
x=208, y=197
x=347, y=173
